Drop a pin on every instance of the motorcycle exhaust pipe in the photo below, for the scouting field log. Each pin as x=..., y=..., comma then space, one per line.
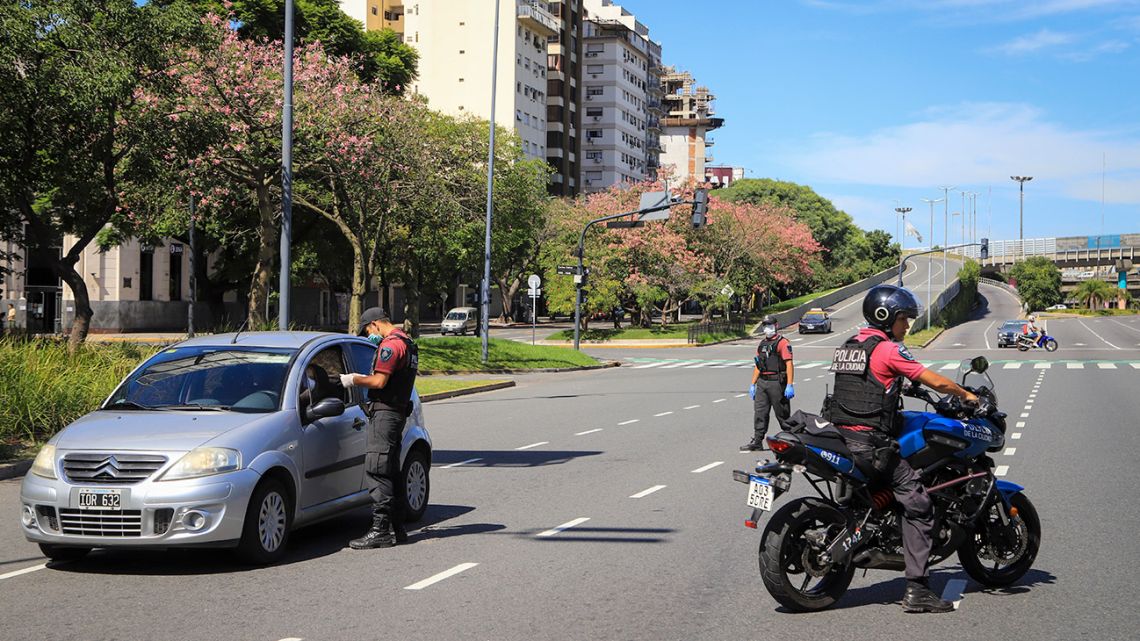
x=873, y=559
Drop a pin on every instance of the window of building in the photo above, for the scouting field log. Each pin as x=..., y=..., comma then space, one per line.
x=461, y=80
x=461, y=52
x=375, y=12
x=175, y=271
x=146, y=273
x=595, y=69
x=593, y=133
x=594, y=112
x=594, y=91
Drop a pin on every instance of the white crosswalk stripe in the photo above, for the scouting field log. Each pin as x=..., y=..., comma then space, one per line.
x=1067, y=365
x=1100, y=365
x=1006, y=366
x=693, y=366
x=944, y=367
x=824, y=367
x=1042, y=365
x=808, y=365
x=645, y=366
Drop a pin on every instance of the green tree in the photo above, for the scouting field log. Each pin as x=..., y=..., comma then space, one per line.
x=884, y=251
x=70, y=124
x=1094, y=292
x=1038, y=282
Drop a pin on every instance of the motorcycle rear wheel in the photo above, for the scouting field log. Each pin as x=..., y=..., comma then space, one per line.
x=976, y=544
x=782, y=550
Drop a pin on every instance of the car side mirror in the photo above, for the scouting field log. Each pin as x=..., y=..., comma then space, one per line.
x=979, y=364
x=324, y=408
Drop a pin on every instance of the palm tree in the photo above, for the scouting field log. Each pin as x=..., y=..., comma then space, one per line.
x=1094, y=291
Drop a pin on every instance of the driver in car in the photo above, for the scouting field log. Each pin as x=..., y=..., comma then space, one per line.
x=869, y=369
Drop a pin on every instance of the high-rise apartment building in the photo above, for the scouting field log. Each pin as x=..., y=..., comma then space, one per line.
x=622, y=100
x=563, y=97
x=689, y=118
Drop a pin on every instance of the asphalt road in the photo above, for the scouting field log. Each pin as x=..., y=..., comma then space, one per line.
x=600, y=505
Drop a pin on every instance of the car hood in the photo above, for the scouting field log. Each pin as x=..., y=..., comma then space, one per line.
x=142, y=430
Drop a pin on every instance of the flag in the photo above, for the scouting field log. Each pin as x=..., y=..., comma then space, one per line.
x=911, y=230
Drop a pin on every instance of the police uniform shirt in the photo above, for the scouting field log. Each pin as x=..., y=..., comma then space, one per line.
x=393, y=353
x=889, y=361
x=783, y=352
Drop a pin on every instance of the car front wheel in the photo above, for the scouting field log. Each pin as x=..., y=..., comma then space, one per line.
x=267, y=522
x=417, y=485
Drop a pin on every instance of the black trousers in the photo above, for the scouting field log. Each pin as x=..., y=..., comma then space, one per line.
x=918, y=510
x=382, y=463
x=769, y=396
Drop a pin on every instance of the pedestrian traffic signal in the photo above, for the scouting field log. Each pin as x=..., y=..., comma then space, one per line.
x=985, y=248
x=700, y=208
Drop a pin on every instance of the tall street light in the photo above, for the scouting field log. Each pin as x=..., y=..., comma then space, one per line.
x=902, y=212
x=485, y=286
x=1021, y=180
x=944, y=243
x=286, y=174
x=945, y=218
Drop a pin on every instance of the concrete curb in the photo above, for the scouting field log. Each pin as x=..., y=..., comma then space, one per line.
x=427, y=398
x=932, y=338
x=548, y=370
x=15, y=470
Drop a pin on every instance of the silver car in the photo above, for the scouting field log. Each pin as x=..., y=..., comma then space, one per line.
x=232, y=440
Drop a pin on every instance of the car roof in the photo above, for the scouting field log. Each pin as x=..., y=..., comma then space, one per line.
x=1015, y=322
x=279, y=339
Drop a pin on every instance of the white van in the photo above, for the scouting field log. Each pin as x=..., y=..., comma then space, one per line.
x=460, y=320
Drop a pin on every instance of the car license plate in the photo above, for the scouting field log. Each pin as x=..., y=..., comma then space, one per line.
x=760, y=493
x=99, y=499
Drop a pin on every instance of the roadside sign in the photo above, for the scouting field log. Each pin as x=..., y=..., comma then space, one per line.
x=727, y=290
x=566, y=270
x=534, y=292
x=534, y=281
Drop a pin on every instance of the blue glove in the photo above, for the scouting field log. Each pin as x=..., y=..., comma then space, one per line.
x=790, y=391
x=752, y=391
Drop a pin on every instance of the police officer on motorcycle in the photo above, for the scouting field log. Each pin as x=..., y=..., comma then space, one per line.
x=390, y=388
x=869, y=371
x=772, y=383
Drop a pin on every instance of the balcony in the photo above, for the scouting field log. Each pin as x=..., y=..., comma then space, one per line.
x=537, y=18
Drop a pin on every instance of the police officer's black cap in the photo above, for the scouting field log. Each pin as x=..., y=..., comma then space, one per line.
x=370, y=315
x=768, y=320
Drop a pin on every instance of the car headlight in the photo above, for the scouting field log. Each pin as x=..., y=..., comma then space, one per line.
x=204, y=461
x=44, y=465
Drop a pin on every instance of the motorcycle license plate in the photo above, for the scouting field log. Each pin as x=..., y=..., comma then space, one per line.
x=760, y=493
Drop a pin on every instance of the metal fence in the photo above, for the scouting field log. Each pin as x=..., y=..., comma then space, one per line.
x=715, y=327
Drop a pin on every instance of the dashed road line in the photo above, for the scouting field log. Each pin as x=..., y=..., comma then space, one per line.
x=596, y=429
x=1015, y=436
x=470, y=460
x=690, y=407
x=527, y=447
x=740, y=395
x=1025, y=415
x=565, y=526
x=1010, y=451
x=705, y=468
x=630, y=421
x=1020, y=424
x=645, y=493
x=1001, y=470
x=16, y=573
x=662, y=414
x=720, y=400
x=432, y=580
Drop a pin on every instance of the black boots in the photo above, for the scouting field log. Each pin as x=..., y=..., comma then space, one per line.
x=380, y=536
x=919, y=598
x=753, y=446
x=399, y=532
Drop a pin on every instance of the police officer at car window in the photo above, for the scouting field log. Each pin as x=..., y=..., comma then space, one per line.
x=869, y=371
x=771, y=387
x=389, y=397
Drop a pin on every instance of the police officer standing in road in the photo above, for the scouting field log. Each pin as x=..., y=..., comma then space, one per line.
x=865, y=405
x=772, y=387
x=390, y=388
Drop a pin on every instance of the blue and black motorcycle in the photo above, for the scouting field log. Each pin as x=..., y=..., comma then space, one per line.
x=1044, y=341
x=812, y=546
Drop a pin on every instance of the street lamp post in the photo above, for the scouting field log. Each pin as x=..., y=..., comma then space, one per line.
x=945, y=220
x=485, y=286
x=902, y=212
x=286, y=175
x=944, y=242
x=1021, y=180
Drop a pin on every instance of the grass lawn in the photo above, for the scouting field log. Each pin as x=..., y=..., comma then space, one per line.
x=1093, y=312
x=676, y=331
x=465, y=353
x=435, y=384
x=917, y=339
x=784, y=306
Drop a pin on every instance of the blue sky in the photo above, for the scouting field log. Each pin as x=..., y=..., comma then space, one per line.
x=876, y=101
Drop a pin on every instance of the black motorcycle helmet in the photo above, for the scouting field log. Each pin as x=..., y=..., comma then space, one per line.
x=883, y=304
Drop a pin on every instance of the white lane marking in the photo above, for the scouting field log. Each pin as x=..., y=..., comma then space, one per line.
x=292, y=639
x=677, y=364
x=1033, y=396
x=807, y=379
x=527, y=447
x=1015, y=436
x=16, y=573
x=808, y=365
x=1012, y=366
x=950, y=366
x=720, y=400
x=1025, y=415
x=662, y=414
x=740, y=395
x=691, y=407
x=794, y=340
x=1001, y=470
x=748, y=366
x=645, y=493
x=1079, y=344
x=1097, y=335
x=632, y=420
x=565, y=526
x=1075, y=365
x=1106, y=365
x=721, y=365
x=1010, y=451
x=647, y=366
x=470, y=460
x=953, y=591
x=1125, y=326
x=697, y=365
x=958, y=345
x=596, y=429
x=1028, y=407
x=432, y=580
x=986, y=333
x=705, y=468
x=1020, y=424
x=1134, y=365
x=1042, y=365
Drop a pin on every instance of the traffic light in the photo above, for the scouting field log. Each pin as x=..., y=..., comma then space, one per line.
x=985, y=248
x=700, y=208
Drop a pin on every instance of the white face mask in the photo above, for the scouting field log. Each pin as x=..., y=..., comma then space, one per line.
x=769, y=331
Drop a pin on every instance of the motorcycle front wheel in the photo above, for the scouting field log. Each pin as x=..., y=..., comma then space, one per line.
x=996, y=555
x=789, y=564
x=1050, y=345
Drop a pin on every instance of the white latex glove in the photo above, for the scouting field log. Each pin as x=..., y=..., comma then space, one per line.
x=346, y=380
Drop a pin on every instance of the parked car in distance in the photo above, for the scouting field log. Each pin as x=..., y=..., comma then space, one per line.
x=1053, y=308
x=815, y=320
x=1008, y=332
x=459, y=321
x=228, y=441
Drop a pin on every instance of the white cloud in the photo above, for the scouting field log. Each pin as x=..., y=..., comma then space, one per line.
x=974, y=143
x=1033, y=43
x=1109, y=47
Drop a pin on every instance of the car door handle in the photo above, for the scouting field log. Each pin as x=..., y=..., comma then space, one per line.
x=358, y=424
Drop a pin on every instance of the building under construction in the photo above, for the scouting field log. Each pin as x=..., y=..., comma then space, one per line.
x=689, y=117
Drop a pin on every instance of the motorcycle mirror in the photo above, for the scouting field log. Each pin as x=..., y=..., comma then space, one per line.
x=979, y=364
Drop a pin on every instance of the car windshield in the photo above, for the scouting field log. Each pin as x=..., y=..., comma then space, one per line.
x=212, y=378
x=815, y=316
x=1013, y=324
x=456, y=316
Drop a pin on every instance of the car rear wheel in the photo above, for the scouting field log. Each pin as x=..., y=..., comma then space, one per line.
x=62, y=552
x=268, y=520
x=417, y=485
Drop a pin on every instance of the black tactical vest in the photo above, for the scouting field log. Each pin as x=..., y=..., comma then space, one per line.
x=397, y=392
x=859, y=398
x=768, y=356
